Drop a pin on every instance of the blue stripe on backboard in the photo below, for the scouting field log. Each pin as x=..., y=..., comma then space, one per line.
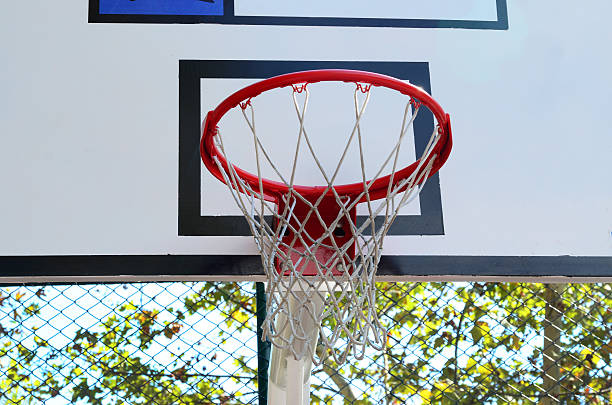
x=162, y=7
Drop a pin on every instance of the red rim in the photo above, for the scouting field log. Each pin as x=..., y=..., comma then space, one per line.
x=272, y=189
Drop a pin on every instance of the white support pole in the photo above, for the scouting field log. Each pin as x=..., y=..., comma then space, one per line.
x=289, y=382
x=295, y=382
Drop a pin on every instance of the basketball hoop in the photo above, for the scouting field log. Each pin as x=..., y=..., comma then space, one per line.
x=320, y=262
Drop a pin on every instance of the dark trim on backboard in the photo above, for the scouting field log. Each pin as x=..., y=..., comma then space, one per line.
x=515, y=266
x=191, y=72
x=228, y=17
x=225, y=266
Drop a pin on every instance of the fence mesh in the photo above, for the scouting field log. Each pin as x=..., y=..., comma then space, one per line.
x=197, y=343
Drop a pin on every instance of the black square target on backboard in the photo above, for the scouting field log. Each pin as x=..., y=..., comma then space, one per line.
x=191, y=221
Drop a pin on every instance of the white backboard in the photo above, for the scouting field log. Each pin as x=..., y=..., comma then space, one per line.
x=100, y=117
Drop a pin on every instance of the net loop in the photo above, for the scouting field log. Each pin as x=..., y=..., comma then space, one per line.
x=299, y=88
x=415, y=103
x=363, y=87
x=245, y=104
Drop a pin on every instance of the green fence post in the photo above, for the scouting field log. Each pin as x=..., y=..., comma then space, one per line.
x=263, y=348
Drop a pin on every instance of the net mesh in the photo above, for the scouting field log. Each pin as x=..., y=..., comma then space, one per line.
x=321, y=284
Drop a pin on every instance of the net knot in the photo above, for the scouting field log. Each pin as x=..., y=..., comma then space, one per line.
x=298, y=88
x=245, y=104
x=415, y=103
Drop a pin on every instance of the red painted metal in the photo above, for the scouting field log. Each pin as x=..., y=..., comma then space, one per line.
x=378, y=188
x=313, y=228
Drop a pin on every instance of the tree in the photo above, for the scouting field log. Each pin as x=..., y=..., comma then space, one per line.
x=482, y=343
x=448, y=343
x=114, y=363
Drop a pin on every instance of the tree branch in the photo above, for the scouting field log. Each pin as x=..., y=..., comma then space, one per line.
x=458, y=337
x=344, y=387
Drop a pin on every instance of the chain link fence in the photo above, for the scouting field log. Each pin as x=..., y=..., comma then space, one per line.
x=197, y=343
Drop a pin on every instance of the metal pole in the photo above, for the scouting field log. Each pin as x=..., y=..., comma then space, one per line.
x=263, y=348
x=552, y=325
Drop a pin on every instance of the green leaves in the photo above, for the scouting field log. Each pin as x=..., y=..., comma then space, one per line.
x=117, y=360
x=479, y=330
x=448, y=343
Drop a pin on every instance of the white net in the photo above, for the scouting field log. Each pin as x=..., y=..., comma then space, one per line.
x=319, y=260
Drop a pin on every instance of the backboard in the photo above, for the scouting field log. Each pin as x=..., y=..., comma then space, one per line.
x=102, y=115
